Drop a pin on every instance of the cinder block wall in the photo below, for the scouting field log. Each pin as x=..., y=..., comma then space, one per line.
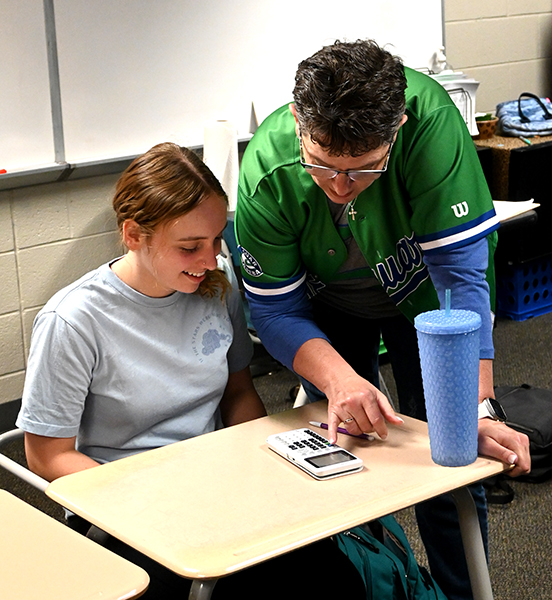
x=49, y=236
x=504, y=44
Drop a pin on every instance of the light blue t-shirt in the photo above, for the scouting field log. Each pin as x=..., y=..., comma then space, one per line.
x=125, y=372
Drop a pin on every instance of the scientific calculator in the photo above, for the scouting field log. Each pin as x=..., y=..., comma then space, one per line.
x=314, y=454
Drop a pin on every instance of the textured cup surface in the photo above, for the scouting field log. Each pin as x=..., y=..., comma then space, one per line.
x=449, y=356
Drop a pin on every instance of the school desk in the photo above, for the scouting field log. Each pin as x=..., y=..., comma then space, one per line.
x=221, y=502
x=42, y=558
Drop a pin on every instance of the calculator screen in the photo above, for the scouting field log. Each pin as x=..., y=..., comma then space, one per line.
x=331, y=458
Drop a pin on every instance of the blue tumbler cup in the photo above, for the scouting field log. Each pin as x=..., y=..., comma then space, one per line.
x=449, y=354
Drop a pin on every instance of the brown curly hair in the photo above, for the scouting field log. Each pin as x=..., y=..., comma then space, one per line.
x=349, y=97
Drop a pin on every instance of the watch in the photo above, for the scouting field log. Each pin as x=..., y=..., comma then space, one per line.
x=492, y=409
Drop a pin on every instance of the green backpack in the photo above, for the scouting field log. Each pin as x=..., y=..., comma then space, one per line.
x=389, y=568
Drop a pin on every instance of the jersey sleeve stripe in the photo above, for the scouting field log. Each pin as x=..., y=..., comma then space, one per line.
x=488, y=216
x=462, y=237
x=274, y=289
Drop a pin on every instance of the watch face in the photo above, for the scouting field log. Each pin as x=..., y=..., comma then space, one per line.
x=496, y=410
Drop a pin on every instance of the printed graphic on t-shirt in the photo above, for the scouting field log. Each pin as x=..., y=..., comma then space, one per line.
x=212, y=339
x=211, y=334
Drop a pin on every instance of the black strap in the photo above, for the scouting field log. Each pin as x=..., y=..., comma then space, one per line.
x=497, y=490
x=524, y=119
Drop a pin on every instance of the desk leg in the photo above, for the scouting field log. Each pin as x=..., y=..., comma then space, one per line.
x=473, y=545
x=202, y=589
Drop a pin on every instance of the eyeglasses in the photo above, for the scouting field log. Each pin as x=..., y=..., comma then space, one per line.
x=321, y=172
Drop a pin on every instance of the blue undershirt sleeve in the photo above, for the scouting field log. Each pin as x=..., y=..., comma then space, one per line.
x=463, y=270
x=284, y=323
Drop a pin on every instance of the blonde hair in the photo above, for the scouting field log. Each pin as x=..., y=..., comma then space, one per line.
x=165, y=183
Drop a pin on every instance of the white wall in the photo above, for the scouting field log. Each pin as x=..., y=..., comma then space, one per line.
x=134, y=72
x=504, y=44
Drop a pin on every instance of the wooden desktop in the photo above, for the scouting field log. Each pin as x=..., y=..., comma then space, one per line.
x=42, y=558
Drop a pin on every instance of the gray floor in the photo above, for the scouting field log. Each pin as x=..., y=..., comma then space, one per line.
x=520, y=532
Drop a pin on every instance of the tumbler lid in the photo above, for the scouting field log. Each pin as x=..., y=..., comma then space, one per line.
x=442, y=322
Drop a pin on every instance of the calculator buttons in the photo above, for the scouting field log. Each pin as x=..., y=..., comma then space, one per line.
x=304, y=441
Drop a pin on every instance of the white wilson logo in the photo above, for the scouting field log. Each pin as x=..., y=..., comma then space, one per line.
x=461, y=209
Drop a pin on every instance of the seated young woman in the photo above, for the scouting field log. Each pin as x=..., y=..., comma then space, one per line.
x=152, y=348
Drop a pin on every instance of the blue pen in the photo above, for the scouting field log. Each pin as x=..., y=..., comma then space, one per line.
x=524, y=139
x=363, y=436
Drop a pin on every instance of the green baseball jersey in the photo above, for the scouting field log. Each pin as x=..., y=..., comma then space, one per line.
x=432, y=199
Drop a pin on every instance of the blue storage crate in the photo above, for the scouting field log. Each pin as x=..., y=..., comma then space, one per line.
x=524, y=290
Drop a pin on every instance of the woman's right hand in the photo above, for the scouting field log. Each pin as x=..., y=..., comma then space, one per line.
x=360, y=406
x=352, y=399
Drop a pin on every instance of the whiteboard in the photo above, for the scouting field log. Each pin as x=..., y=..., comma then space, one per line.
x=137, y=72
x=26, y=136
